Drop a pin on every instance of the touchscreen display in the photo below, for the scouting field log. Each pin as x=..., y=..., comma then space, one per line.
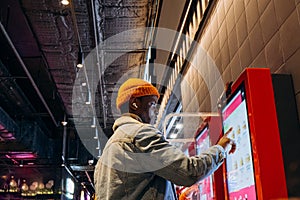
x=239, y=165
x=205, y=186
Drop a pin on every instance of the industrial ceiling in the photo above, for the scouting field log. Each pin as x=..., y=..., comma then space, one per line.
x=41, y=86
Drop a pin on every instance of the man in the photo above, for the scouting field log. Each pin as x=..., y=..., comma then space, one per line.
x=137, y=162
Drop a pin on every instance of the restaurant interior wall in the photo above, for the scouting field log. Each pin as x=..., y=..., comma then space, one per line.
x=239, y=35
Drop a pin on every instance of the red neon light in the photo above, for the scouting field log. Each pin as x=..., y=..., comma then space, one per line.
x=21, y=155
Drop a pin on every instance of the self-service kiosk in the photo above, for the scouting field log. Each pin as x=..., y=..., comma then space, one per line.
x=255, y=170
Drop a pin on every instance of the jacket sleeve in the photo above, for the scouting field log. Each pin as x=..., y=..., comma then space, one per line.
x=171, y=163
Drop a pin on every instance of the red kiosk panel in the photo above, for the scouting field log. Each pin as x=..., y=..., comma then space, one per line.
x=211, y=187
x=255, y=170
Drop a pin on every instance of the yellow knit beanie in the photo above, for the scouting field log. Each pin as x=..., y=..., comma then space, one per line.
x=134, y=87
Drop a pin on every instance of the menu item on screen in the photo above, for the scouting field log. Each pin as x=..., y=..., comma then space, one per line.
x=239, y=165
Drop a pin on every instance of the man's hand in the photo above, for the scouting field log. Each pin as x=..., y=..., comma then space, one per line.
x=225, y=142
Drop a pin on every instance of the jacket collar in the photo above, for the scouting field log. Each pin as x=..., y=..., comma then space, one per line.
x=134, y=116
x=127, y=118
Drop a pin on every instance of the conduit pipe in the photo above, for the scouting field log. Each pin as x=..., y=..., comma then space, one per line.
x=99, y=66
x=28, y=74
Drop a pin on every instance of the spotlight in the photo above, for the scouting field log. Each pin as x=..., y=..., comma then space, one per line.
x=93, y=125
x=88, y=98
x=91, y=162
x=64, y=123
x=80, y=59
x=96, y=134
x=65, y=2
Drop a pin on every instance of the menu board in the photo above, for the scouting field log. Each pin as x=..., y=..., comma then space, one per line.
x=205, y=186
x=239, y=165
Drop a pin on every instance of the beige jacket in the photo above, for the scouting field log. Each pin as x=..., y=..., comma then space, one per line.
x=137, y=161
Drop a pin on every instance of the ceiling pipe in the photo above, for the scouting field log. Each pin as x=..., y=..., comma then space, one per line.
x=73, y=13
x=28, y=74
x=64, y=145
x=99, y=66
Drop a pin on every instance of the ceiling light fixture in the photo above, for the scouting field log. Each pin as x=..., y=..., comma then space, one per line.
x=64, y=123
x=88, y=98
x=13, y=186
x=80, y=59
x=93, y=125
x=21, y=164
x=96, y=134
x=24, y=186
x=65, y=2
x=98, y=148
x=90, y=162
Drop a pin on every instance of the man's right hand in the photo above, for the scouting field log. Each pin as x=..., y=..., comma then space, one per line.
x=225, y=142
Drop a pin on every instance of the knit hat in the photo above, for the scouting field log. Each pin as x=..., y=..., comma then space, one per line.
x=134, y=87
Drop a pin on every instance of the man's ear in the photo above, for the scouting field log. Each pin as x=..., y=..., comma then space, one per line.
x=133, y=104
